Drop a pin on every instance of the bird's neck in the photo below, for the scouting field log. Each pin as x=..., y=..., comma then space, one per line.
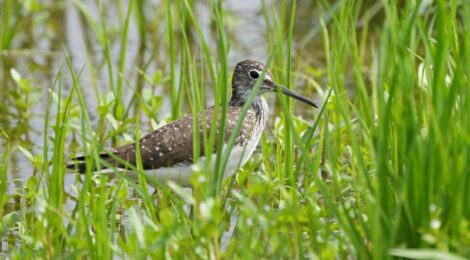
x=259, y=105
x=261, y=109
x=238, y=98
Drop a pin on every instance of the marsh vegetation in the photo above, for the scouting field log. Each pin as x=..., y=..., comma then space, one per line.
x=380, y=170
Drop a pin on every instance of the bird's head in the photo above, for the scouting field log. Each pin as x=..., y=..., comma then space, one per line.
x=247, y=73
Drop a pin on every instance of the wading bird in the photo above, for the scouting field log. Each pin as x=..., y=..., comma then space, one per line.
x=167, y=153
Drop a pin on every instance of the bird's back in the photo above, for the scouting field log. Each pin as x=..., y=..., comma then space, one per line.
x=172, y=144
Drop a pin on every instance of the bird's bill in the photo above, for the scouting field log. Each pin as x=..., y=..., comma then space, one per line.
x=290, y=93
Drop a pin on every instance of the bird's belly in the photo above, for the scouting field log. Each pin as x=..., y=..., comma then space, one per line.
x=181, y=174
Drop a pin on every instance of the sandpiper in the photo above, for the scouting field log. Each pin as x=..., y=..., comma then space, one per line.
x=167, y=153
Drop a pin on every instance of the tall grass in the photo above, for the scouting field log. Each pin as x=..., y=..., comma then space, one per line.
x=379, y=171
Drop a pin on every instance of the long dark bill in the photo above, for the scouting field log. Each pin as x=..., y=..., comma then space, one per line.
x=290, y=93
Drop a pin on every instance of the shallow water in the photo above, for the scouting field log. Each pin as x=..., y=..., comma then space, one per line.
x=38, y=54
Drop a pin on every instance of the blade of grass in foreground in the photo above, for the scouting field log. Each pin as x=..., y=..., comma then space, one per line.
x=4, y=173
x=56, y=179
x=222, y=85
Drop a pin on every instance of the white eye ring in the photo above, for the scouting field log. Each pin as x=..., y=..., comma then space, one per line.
x=254, y=74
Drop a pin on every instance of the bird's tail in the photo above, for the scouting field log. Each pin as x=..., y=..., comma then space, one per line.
x=79, y=163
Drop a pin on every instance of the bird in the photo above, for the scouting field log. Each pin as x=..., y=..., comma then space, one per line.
x=167, y=152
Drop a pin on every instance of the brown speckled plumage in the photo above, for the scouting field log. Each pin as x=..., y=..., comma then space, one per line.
x=172, y=144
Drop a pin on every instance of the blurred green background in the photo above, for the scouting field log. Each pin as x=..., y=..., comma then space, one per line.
x=380, y=171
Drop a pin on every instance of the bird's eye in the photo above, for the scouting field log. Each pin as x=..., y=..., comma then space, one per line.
x=254, y=74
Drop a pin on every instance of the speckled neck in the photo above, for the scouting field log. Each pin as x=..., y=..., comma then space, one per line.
x=259, y=105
